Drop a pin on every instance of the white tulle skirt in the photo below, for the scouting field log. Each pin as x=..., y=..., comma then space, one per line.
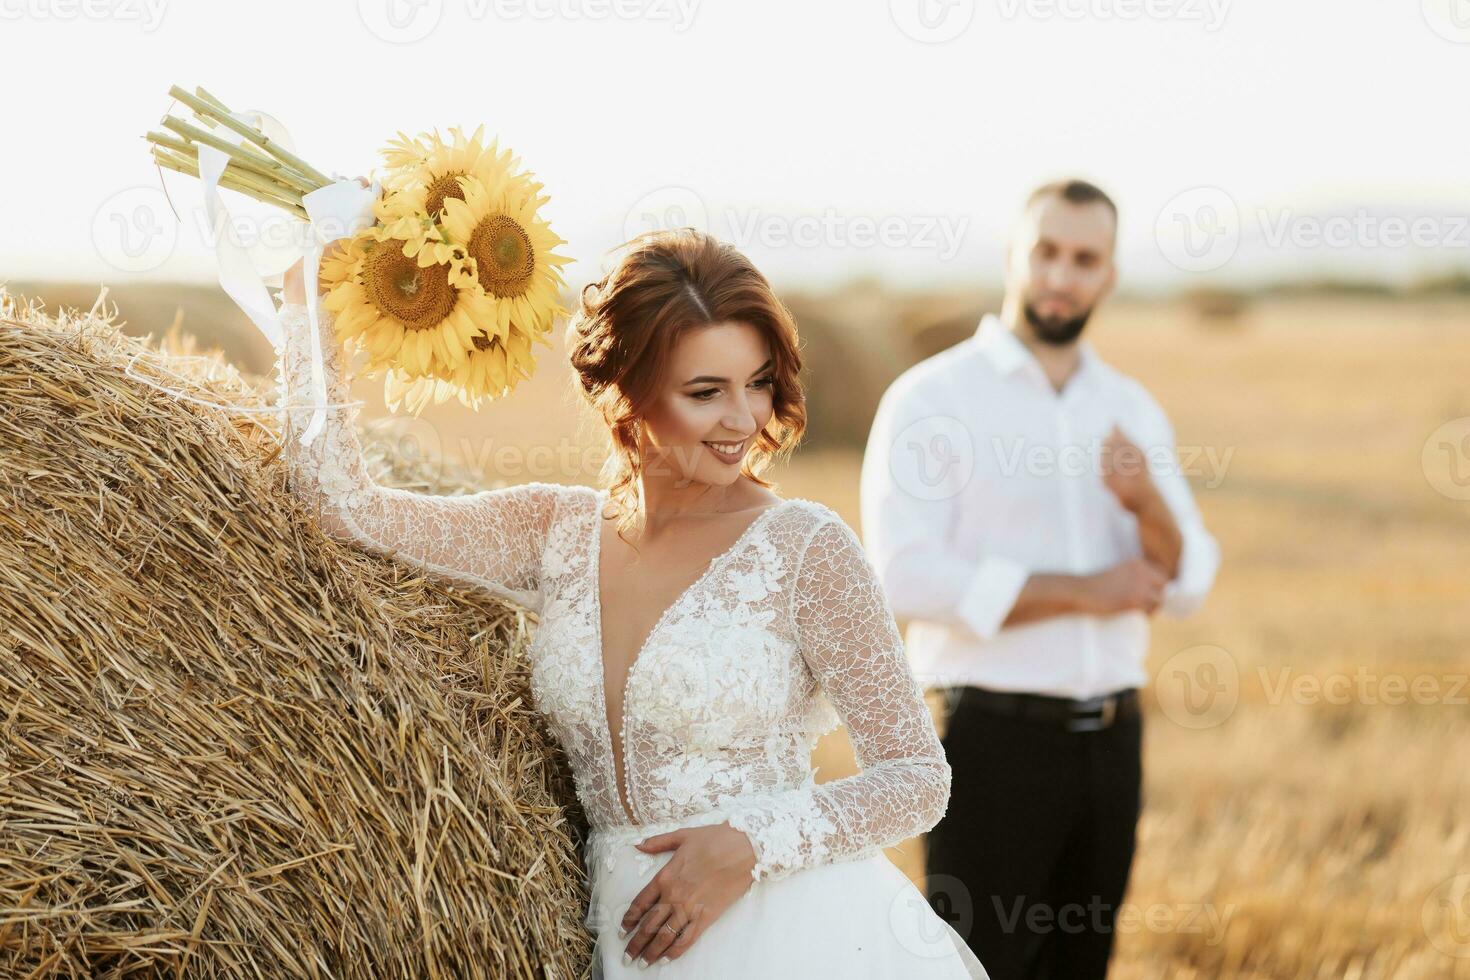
x=847, y=919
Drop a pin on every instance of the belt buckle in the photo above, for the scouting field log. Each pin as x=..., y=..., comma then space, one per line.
x=1107, y=710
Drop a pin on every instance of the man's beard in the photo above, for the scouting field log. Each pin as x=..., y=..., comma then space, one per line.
x=1054, y=331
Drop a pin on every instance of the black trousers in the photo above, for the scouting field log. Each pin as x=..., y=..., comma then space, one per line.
x=1031, y=860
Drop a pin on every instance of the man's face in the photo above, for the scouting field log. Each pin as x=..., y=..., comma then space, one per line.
x=1061, y=265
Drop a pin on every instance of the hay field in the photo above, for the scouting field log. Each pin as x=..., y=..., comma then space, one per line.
x=1297, y=836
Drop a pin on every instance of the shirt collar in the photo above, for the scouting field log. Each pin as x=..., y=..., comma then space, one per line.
x=1006, y=353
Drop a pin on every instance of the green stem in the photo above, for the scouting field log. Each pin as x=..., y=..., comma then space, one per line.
x=237, y=163
x=184, y=165
x=171, y=142
x=199, y=91
x=255, y=161
x=291, y=160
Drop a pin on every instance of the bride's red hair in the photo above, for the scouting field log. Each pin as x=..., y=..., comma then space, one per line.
x=621, y=341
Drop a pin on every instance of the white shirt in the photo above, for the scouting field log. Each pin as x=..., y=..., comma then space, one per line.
x=977, y=474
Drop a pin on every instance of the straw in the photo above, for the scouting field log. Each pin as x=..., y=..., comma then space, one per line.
x=236, y=747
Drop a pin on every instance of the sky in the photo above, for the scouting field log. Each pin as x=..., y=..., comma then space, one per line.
x=1244, y=140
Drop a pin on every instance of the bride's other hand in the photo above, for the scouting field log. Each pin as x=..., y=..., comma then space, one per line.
x=293, y=285
x=710, y=869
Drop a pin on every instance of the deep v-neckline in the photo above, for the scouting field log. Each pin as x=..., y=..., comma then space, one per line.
x=679, y=599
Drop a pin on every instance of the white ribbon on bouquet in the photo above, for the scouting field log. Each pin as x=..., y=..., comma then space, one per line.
x=338, y=210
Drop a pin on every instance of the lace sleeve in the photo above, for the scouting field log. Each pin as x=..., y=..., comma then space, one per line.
x=494, y=538
x=850, y=640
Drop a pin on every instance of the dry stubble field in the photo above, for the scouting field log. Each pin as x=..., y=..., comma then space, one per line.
x=1314, y=820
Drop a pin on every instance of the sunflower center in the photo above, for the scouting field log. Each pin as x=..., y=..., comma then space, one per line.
x=503, y=255
x=418, y=298
x=443, y=187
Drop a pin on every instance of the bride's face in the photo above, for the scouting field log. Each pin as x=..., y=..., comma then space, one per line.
x=718, y=390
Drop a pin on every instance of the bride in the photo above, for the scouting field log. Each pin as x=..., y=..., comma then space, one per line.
x=696, y=633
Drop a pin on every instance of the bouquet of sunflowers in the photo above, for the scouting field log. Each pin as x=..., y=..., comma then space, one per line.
x=449, y=285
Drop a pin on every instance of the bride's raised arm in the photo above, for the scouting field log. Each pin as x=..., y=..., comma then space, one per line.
x=848, y=637
x=493, y=538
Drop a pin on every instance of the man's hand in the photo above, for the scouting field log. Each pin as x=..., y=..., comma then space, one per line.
x=1133, y=584
x=1125, y=472
x=710, y=869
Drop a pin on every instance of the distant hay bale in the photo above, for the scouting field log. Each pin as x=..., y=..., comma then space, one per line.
x=1217, y=307
x=233, y=746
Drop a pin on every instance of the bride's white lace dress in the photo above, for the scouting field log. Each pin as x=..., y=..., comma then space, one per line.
x=721, y=706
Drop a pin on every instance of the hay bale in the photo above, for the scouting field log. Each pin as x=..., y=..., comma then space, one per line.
x=233, y=746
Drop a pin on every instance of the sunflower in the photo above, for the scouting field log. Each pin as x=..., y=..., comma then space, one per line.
x=457, y=281
x=430, y=163
x=424, y=172
x=339, y=259
x=490, y=370
x=496, y=233
x=406, y=315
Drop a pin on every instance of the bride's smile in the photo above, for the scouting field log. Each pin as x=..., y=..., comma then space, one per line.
x=718, y=396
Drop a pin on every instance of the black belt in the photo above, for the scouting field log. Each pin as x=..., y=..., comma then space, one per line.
x=1084, y=715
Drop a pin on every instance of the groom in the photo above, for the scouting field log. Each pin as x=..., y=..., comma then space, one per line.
x=1016, y=526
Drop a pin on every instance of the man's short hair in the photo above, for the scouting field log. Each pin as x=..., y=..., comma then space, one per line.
x=1074, y=191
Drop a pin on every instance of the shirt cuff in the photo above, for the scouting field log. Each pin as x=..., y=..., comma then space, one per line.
x=1199, y=557
x=991, y=594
